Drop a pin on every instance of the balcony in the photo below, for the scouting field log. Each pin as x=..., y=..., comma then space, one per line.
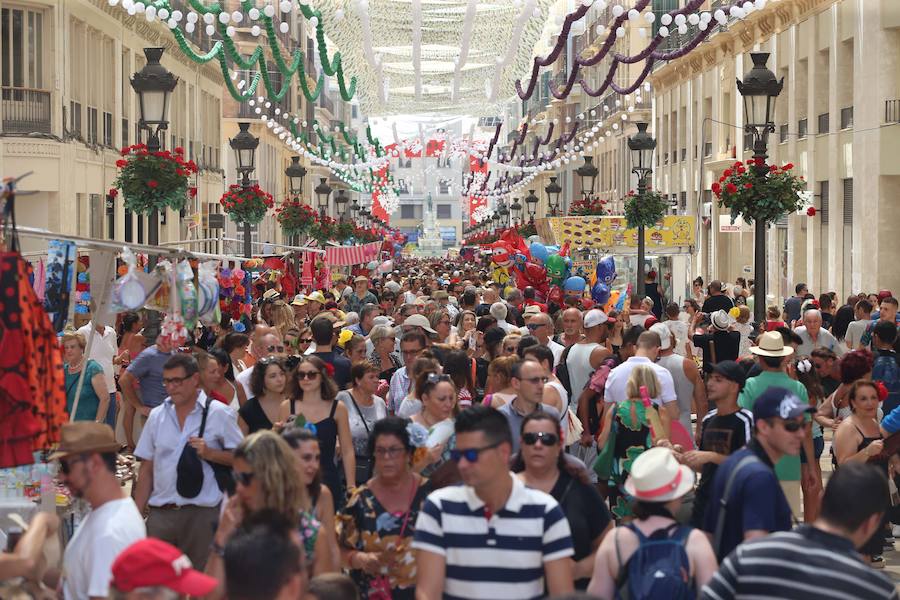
x=26, y=110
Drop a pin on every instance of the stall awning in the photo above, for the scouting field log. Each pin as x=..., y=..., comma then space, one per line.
x=341, y=256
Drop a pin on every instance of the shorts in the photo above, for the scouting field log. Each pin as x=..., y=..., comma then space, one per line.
x=818, y=448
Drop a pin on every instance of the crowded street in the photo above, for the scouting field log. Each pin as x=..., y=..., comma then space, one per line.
x=449, y=299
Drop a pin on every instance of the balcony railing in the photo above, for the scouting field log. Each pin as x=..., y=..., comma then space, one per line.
x=26, y=110
x=891, y=111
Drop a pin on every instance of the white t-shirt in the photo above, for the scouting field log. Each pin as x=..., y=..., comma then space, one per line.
x=104, y=533
x=855, y=331
x=243, y=379
x=618, y=379
x=557, y=350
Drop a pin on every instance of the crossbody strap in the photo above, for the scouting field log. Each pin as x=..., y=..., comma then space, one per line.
x=723, y=502
x=203, y=418
x=359, y=412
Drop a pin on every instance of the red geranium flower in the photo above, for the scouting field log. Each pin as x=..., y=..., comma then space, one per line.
x=716, y=188
x=811, y=211
x=748, y=186
x=788, y=166
x=121, y=163
x=731, y=188
x=153, y=184
x=192, y=191
x=773, y=168
x=179, y=150
x=113, y=192
x=727, y=173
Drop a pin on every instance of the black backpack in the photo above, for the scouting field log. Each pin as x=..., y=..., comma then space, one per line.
x=562, y=371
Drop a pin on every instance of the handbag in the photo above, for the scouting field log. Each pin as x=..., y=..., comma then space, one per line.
x=222, y=473
x=380, y=586
x=189, y=479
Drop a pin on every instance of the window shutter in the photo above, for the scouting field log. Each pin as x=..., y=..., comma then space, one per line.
x=848, y=201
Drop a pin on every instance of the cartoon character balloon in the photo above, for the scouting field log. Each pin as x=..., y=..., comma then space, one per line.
x=603, y=279
x=539, y=252
x=557, y=269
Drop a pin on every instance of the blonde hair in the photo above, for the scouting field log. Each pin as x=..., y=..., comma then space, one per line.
x=744, y=315
x=73, y=335
x=282, y=318
x=642, y=375
x=275, y=468
x=502, y=366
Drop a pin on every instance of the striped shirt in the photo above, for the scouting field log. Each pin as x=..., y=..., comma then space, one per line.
x=804, y=564
x=498, y=558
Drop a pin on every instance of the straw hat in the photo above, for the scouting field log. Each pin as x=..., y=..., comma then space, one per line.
x=657, y=477
x=85, y=437
x=771, y=344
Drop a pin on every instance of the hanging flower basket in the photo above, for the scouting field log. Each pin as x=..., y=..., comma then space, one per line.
x=246, y=205
x=644, y=210
x=756, y=198
x=295, y=217
x=154, y=180
x=587, y=208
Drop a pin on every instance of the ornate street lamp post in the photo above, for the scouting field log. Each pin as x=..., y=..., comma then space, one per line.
x=516, y=210
x=340, y=203
x=760, y=88
x=323, y=190
x=588, y=174
x=153, y=84
x=244, y=145
x=295, y=174
x=553, y=190
x=641, y=146
x=532, y=201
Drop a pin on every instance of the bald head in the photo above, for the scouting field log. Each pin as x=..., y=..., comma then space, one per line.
x=812, y=320
x=571, y=322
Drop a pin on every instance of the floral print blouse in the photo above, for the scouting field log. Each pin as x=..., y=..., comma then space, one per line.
x=366, y=526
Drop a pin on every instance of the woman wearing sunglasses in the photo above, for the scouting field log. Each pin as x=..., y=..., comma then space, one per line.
x=304, y=340
x=376, y=528
x=312, y=395
x=382, y=354
x=541, y=464
x=267, y=384
x=316, y=500
x=265, y=475
x=439, y=408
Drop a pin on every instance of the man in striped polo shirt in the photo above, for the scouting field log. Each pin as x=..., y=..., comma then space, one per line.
x=493, y=537
x=818, y=560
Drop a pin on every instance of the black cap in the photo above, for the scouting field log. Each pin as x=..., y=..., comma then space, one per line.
x=731, y=371
x=779, y=402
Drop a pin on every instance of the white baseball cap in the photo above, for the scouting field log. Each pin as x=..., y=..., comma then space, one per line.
x=594, y=317
x=664, y=333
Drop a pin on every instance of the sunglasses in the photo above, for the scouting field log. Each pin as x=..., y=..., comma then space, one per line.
x=305, y=340
x=435, y=378
x=311, y=375
x=275, y=348
x=241, y=478
x=470, y=454
x=547, y=439
x=535, y=326
x=793, y=426
x=174, y=380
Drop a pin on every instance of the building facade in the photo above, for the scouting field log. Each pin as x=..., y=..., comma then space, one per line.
x=67, y=107
x=836, y=121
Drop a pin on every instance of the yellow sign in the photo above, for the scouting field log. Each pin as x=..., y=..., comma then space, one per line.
x=604, y=233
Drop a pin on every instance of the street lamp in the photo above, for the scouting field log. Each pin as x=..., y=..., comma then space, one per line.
x=244, y=145
x=588, y=174
x=504, y=214
x=295, y=174
x=340, y=203
x=354, y=209
x=760, y=88
x=532, y=201
x=495, y=219
x=323, y=190
x=153, y=84
x=641, y=146
x=553, y=190
x=516, y=210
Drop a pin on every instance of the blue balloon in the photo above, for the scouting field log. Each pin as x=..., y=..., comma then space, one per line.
x=574, y=284
x=538, y=251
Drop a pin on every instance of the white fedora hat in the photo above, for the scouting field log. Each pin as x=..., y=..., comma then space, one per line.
x=771, y=344
x=657, y=477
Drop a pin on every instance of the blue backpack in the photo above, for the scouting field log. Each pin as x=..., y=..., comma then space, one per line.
x=659, y=569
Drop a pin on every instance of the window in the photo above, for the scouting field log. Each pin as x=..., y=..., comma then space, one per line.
x=444, y=211
x=129, y=226
x=75, y=118
x=107, y=130
x=683, y=154
x=411, y=211
x=92, y=128
x=801, y=128
x=848, y=201
x=707, y=148
x=443, y=187
x=97, y=210
x=823, y=123
x=823, y=193
x=682, y=202
x=21, y=39
x=125, y=127
x=847, y=117
x=110, y=217
x=782, y=133
x=748, y=141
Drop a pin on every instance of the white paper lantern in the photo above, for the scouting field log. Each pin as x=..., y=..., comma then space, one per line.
x=666, y=19
x=253, y=13
x=224, y=18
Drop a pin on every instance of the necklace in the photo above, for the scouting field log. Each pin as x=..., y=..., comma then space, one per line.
x=76, y=368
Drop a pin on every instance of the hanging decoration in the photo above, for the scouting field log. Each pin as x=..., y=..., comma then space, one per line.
x=153, y=180
x=412, y=62
x=246, y=205
x=218, y=20
x=644, y=210
x=756, y=197
x=295, y=217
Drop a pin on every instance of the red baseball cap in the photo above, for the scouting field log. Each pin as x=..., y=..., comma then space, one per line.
x=882, y=294
x=153, y=562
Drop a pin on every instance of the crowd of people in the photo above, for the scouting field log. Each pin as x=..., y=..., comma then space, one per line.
x=432, y=435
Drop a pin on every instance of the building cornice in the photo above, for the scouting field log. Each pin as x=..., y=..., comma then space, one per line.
x=740, y=37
